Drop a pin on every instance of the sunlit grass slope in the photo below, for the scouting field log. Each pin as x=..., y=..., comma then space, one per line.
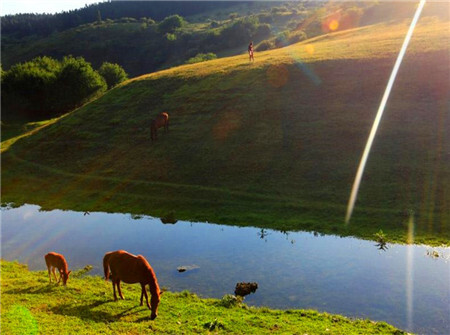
x=11, y=133
x=85, y=306
x=274, y=144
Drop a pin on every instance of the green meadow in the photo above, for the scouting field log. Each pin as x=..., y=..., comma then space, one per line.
x=274, y=143
x=30, y=305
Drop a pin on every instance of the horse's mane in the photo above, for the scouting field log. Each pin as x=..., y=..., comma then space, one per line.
x=153, y=288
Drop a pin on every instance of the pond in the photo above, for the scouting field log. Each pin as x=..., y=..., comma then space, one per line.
x=401, y=285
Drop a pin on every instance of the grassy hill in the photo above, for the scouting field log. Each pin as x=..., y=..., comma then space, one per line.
x=138, y=44
x=273, y=144
x=128, y=35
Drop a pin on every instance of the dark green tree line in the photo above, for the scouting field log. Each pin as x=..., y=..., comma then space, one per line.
x=45, y=87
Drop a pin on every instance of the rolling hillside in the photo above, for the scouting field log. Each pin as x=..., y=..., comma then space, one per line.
x=273, y=144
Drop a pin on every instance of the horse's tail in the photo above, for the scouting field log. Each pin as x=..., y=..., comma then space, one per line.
x=106, y=265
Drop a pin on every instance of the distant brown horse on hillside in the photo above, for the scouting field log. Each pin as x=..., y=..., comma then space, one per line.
x=132, y=269
x=57, y=261
x=161, y=120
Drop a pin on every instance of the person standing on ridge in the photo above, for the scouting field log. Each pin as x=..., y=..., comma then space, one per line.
x=250, y=52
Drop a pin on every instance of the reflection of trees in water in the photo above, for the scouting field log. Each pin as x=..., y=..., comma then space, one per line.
x=433, y=254
x=381, y=238
x=382, y=246
x=285, y=232
x=263, y=233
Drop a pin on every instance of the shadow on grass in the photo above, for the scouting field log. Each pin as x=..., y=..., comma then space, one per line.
x=33, y=290
x=145, y=318
x=86, y=312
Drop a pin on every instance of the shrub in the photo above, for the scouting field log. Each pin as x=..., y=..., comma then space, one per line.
x=380, y=237
x=282, y=39
x=171, y=23
x=113, y=74
x=214, y=24
x=201, y=57
x=171, y=37
x=230, y=300
x=127, y=20
x=265, y=18
x=265, y=45
x=296, y=36
x=277, y=10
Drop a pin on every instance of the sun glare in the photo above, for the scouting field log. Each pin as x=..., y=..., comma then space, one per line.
x=309, y=49
x=277, y=75
x=333, y=25
x=376, y=122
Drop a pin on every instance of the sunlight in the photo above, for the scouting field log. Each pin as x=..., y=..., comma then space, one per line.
x=356, y=183
x=333, y=25
x=309, y=49
x=5, y=145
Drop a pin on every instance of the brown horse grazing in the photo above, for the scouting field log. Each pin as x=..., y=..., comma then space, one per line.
x=57, y=261
x=162, y=120
x=132, y=269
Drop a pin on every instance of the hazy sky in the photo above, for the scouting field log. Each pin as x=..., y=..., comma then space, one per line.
x=42, y=6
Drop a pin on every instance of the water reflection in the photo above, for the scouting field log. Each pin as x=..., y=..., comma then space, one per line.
x=382, y=246
x=169, y=218
x=337, y=275
x=381, y=239
x=263, y=233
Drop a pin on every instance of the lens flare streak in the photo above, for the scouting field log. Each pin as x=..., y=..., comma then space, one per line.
x=362, y=164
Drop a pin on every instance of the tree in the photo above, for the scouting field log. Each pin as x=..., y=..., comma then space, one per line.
x=170, y=23
x=78, y=82
x=113, y=74
x=45, y=87
x=27, y=87
x=240, y=31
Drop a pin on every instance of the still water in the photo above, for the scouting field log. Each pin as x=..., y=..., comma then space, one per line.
x=402, y=285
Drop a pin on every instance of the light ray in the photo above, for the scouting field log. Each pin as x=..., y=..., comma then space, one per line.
x=362, y=164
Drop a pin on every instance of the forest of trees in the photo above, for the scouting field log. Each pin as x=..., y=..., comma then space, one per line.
x=124, y=38
x=22, y=25
x=139, y=46
x=45, y=87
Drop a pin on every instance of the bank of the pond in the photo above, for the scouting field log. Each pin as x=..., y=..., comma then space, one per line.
x=29, y=303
